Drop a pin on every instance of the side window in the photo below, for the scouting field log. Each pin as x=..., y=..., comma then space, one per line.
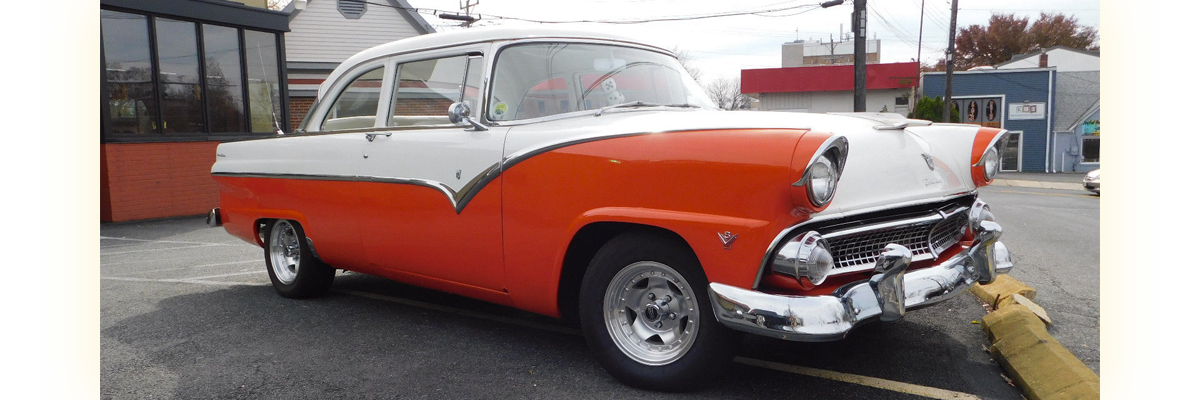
x=426, y=89
x=357, y=104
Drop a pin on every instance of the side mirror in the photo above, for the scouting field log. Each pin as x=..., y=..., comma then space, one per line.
x=461, y=112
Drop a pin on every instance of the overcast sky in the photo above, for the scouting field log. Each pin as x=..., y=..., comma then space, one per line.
x=722, y=47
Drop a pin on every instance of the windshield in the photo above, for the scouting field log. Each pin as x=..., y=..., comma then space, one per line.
x=543, y=79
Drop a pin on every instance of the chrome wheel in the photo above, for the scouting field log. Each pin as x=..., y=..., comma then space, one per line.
x=284, y=246
x=651, y=313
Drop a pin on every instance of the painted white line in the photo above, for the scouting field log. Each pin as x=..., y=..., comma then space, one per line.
x=158, y=241
x=878, y=383
x=169, y=248
x=187, y=267
x=224, y=275
x=214, y=283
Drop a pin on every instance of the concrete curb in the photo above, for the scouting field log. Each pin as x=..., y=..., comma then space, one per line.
x=1037, y=184
x=1038, y=363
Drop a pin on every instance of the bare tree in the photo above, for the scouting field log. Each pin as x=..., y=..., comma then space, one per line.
x=689, y=64
x=727, y=94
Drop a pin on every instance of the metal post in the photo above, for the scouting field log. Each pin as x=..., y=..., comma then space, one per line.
x=950, y=62
x=859, y=25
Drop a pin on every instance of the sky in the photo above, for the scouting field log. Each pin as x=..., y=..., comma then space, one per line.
x=722, y=47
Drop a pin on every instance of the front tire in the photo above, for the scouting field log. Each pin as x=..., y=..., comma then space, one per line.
x=647, y=317
x=295, y=272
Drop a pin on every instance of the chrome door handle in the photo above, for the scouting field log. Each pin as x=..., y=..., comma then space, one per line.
x=371, y=135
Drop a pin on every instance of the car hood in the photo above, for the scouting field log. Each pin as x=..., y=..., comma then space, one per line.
x=885, y=167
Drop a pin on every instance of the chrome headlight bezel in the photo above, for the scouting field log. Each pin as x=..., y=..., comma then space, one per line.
x=832, y=159
x=804, y=256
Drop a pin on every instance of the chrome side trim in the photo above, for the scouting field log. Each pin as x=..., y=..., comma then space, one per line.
x=458, y=199
x=827, y=217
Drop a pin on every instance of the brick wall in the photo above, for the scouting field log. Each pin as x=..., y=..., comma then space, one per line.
x=298, y=107
x=436, y=107
x=156, y=180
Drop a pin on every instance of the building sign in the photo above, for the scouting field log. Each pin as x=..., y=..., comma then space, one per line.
x=1091, y=127
x=1027, y=111
x=982, y=111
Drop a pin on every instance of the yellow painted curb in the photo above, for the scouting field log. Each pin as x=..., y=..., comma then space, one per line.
x=995, y=293
x=1038, y=363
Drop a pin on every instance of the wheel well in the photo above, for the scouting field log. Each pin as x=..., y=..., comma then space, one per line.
x=583, y=247
x=260, y=229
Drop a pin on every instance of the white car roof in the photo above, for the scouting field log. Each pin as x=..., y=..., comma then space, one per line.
x=477, y=35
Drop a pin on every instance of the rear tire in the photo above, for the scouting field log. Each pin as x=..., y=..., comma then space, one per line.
x=295, y=272
x=646, y=314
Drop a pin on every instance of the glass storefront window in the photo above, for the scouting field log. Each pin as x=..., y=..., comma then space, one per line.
x=129, y=73
x=262, y=73
x=223, y=79
x=179, y=76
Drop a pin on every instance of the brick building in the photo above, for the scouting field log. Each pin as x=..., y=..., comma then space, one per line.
x=178, y=78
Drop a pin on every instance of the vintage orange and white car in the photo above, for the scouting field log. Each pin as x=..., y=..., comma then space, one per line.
x=587, y=176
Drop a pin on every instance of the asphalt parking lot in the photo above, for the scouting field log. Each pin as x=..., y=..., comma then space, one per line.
x=187, y=311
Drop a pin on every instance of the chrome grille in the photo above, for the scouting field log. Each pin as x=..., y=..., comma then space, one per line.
x=948, y=232
x=857, y=249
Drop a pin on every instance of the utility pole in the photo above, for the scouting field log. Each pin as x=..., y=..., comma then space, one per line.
x=950, y=62
x=859, y=25
x=920, y=35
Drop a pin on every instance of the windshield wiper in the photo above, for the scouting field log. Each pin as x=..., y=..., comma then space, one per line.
x=642, y=104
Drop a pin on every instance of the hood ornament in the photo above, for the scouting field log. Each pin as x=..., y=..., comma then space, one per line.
x=928, y=160
x=727, y=239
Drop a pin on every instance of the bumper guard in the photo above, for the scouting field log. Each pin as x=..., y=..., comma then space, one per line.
x=886, y=296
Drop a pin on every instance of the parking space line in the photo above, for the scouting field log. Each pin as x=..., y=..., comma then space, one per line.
x=202, y=282
x=187, y=267
x=169, y=248
x=157, y=241
x=224, y=275
x=878, y=383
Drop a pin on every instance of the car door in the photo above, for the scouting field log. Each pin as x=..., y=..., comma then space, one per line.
x=431, y=209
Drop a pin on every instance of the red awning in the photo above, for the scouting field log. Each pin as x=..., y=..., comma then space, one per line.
x=825, y=78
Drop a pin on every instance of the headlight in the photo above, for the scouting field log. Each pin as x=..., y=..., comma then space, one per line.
x=822, y=181
x=991, y=163
x=805, y=256
x=980, y=212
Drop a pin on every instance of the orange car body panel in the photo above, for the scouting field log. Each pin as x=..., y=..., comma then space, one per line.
x=508, y=244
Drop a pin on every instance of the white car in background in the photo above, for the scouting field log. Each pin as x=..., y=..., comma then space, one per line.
x=1091, y=181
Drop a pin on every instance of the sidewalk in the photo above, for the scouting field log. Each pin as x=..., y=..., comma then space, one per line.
x=1061, y=181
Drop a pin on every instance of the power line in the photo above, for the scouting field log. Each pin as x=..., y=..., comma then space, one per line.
x=693, y=17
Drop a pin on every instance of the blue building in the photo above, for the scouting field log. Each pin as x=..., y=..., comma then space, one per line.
x=1053, y=116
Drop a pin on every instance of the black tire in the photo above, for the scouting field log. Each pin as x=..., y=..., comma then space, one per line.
x=308, y=277
x=712, y=344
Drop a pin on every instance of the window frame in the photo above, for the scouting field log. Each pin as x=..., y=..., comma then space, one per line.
x=397, y=62
x=499, y=48
x=326, y=105
x=157, y=136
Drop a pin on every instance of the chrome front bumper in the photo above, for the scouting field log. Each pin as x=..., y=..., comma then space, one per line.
x=886, y=296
